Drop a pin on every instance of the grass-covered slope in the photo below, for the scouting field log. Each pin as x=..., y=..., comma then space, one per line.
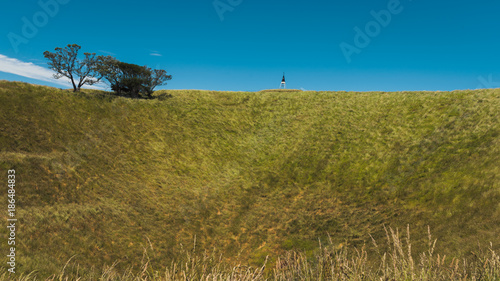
x=251, y=174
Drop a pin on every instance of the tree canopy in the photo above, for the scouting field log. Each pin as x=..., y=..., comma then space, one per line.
x=65, y=62
x=131, y=79
x=123, y=78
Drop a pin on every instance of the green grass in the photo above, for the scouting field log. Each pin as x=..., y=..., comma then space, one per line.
x=101, y=178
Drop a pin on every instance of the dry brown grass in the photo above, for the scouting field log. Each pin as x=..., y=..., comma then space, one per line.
x=330, y=262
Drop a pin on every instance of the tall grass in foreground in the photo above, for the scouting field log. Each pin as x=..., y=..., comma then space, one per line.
x=396, y=262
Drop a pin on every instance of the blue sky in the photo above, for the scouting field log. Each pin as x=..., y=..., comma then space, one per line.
x=246, y=45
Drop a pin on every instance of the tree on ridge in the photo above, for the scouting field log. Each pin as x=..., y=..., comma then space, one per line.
x=131, y=79
x=65, y=62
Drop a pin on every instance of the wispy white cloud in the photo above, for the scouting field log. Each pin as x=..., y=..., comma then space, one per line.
x=28, y=69
x=106, y=52
x=156, y=54
x=33, y=71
